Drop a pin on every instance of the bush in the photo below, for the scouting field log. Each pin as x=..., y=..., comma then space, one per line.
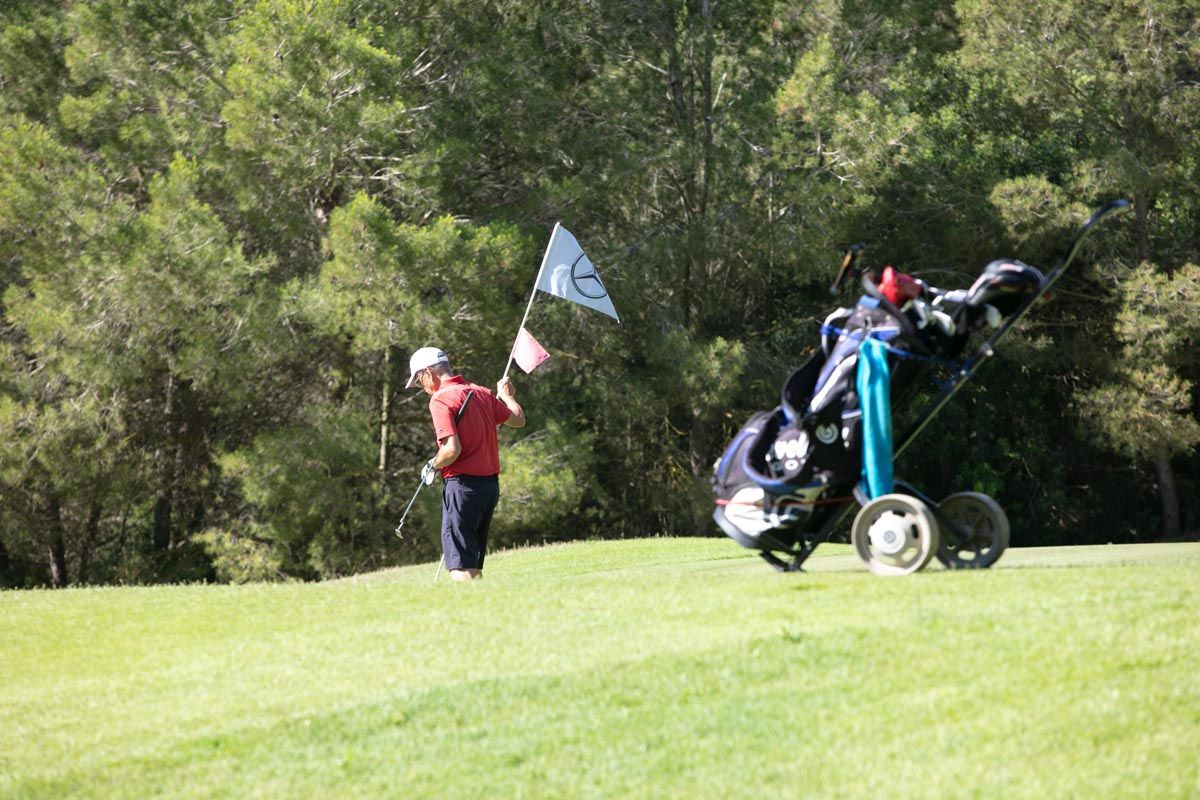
x=241, y=557
x=543, y=486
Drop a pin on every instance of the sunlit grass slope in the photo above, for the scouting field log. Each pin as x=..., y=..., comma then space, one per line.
x=645, y=669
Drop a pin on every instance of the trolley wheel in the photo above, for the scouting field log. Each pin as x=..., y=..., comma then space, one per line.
x=895, y=534
x=984, y=531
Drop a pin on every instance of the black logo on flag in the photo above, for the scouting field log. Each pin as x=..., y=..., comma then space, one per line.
x=585, y=280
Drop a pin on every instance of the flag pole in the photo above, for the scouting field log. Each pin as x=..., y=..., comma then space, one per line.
x=532, y=295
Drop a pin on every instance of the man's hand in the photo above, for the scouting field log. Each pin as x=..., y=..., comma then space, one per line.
x=428, y=472
x=507, y=394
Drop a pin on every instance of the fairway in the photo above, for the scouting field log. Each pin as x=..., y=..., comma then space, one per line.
x=641, y=668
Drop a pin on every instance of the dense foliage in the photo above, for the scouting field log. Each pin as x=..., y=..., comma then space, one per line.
x=224, y=225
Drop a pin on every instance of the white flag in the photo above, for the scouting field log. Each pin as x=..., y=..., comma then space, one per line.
x=567, y=273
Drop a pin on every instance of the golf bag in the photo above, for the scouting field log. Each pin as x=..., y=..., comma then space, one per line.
x=789, y=468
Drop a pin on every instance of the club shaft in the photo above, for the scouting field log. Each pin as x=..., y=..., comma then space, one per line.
x=987, y=349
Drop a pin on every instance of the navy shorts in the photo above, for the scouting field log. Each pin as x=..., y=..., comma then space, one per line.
x=468, y=503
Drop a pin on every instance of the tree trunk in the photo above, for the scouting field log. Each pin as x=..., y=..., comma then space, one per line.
x=164, y=471
x=162, y=516
x=683, y=179
x=695, y=103
x=698, y=444
x=384, y=411
x=708, y=150
x=1171, y=524
x=180, y=431
x=88, y=546
x=1141, y=224
x=57, y=549
x=699, y=438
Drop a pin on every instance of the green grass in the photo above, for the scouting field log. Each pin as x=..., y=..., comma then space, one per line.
x=650, y=668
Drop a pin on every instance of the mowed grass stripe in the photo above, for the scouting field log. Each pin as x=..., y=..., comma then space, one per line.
x=706, y=675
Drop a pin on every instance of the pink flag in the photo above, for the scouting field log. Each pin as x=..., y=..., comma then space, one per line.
x=527, y=352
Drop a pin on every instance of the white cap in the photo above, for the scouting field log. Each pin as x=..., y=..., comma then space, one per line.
x=422, y=359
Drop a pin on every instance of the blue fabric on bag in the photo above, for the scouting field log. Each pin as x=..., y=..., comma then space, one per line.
x=873, y=383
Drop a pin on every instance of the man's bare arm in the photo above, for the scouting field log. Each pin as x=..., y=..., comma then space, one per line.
x=507, y=393
x=448, y=452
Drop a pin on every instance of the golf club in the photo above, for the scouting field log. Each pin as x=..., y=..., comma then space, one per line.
x=404, y=516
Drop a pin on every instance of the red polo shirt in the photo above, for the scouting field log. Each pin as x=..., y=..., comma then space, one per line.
x=480, y=455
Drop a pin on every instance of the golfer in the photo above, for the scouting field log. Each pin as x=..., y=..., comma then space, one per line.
x=468, y=455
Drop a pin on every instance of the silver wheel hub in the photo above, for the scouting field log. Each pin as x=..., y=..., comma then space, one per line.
x=891, y=533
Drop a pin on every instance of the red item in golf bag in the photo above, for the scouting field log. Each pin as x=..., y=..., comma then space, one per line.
x=898, y=287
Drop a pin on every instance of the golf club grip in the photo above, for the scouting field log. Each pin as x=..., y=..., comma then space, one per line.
x=849, y=267
x=463, y=407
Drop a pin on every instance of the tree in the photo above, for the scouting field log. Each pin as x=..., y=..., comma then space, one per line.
x=136, y=315
x=1119, y=82
x=50, y=204
x=1147, y=411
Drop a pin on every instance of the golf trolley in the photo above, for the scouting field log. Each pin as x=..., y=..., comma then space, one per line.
x=792, y=475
